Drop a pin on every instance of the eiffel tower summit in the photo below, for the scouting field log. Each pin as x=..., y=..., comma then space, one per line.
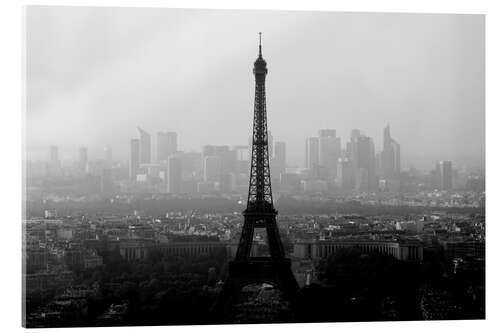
x=260, y=213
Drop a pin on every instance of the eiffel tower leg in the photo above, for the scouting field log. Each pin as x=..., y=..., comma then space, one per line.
x=289, y=287
x=221, y=311
x=246, y=240
x=243, y=273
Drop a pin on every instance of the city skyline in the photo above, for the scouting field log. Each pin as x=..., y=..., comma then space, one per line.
x=329, y=167
x=86, y=102
x=181, y=237
x=159, y=151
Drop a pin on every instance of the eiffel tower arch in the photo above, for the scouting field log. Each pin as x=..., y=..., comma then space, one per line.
x=259, y=214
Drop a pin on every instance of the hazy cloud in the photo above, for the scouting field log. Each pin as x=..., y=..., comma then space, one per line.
x=95, y=74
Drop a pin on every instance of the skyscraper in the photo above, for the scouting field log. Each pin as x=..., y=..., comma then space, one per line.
x=242, y=159
x=134, y=161
x=210, y=150
x=345, y=174
x=174, y=174
x=327, y=133
x=192, y=164
x=312, y=152
x=362, y=156
x=212, y=168
x=329, y=152
x=227, y=164
x=280, y=152
x=390, y=156
x=145, y=146
x=445, y=175
x=279, y=160
x=355, y=133
x=166, y=145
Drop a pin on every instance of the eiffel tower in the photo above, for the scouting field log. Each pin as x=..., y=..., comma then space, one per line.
x=260, y=213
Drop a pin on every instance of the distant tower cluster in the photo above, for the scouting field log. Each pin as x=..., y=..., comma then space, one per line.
x=356, y=167
x=141, y=164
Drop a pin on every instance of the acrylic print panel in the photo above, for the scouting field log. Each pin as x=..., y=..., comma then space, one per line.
x=217, y=166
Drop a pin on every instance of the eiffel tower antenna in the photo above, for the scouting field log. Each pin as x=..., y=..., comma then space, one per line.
x=260, y=44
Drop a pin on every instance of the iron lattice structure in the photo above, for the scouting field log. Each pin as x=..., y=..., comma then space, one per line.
x=260, y=196
x=260, y=213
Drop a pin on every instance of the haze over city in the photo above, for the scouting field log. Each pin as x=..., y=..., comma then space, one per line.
x=95, y=74
x=190, y=167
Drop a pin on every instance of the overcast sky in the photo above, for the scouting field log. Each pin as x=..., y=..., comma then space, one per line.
x=95, y=74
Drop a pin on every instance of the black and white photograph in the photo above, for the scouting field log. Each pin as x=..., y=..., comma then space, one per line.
x=230, y=166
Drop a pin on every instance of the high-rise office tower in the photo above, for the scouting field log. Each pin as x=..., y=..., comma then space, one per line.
x=209, y=150
x=397, y=158
x=166, y=145
x=445, y=175
x=351, y=147
x=345, y=174
x=363, y=161
x=227, y=161
x=192, y=164
x=212, y=168
x=355, y=133
x=145, y=146
x=242, y=153
x=242, y=159
x=279, y=160
x=379, y=172
x=327, y=133
x=329, y=152
x=280, y=152
x=134, y=161
x=228, y=157
x=390, y=156
x=174, y=174
x=312, y=152
x=83, y=159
